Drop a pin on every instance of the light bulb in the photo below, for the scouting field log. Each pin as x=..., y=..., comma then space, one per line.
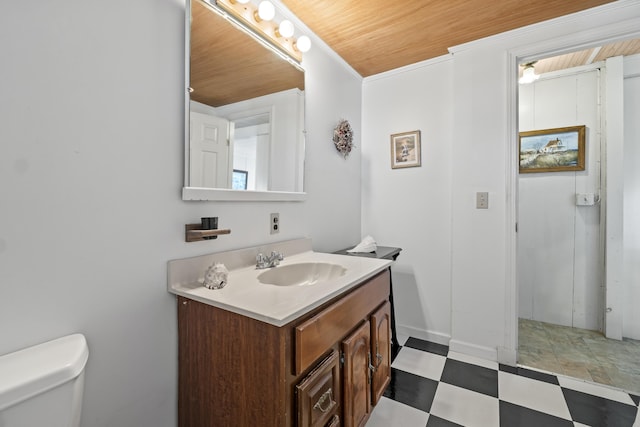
x=243, y=1
x=286, y=28
x=528, y=75
x=266, y=10
x=303, y=43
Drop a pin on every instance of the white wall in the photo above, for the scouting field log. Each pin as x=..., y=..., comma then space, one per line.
x=560, y=267
x=468, y=108
x=91, y=171
x=631, y=225
x=411, y=208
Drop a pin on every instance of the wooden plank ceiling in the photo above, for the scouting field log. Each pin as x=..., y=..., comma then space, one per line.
x=229, y=66
x=588, y=56
x=374, y=36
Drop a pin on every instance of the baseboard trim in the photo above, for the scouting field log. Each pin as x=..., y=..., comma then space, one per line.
x=436, y=337
x=507, y=356
x=486, y=353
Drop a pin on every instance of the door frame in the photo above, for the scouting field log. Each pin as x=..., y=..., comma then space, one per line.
x=558, y=46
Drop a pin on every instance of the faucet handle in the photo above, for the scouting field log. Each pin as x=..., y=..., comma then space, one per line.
x=277, y=255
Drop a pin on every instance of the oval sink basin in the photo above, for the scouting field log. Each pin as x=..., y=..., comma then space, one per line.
x=301, y=274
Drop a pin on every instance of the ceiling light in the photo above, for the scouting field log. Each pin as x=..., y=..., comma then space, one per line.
x=285, y=29
x=266, y=11
x=528, y=73
x=303, y=44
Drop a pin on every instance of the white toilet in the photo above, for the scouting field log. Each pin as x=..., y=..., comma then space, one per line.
x=43, y=385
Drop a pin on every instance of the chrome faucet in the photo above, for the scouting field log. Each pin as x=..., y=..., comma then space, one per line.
x=268, y=261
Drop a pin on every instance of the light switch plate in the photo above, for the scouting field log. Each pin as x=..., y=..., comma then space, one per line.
x=482, y=200
x=585, y=199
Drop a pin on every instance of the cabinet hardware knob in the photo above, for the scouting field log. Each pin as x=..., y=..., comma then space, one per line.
x=327, y=395
x=371, y=367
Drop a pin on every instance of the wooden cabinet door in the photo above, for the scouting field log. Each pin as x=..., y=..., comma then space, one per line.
x=335, y=422
x=357, y=377
x=380, y=350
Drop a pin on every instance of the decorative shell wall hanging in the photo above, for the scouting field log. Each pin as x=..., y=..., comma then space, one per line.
x=343, y=137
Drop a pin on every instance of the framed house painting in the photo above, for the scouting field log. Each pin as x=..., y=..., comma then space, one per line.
x=553, y=150
x=405, y=150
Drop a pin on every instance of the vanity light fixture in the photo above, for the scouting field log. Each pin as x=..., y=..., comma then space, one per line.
x=285, y=29
x=266, y=11
x=303, y=44
x=529, y=73
x=258, y=22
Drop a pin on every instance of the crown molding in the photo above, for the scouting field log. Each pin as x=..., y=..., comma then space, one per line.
x=591, y=24
x=408, y=68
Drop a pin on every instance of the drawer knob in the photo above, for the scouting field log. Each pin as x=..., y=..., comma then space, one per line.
x=320, y=404
x=380, y=358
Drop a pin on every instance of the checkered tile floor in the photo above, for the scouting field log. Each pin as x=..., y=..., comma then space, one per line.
x=434, y=387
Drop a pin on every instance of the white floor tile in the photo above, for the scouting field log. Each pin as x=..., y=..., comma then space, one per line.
x=577, y=424
x=465, y=407
x=595, y=390
x=473, y=360
x=533, y=394
x=391, y=413
x=419, y=362
x=402, y=339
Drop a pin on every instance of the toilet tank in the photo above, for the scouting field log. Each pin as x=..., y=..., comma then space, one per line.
x=43, y=385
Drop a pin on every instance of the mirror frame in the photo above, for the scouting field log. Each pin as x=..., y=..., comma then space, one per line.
x=222, y=194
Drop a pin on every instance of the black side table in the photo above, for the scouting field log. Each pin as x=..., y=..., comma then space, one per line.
x=383, y=252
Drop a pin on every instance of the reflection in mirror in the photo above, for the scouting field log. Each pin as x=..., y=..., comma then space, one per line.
x=246, y=111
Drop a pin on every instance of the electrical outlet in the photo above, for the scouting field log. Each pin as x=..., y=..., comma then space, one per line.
x=275, y=223
x=482, y=200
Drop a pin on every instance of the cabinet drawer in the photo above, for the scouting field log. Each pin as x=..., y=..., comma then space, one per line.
x=319, y=394
x=315, y=336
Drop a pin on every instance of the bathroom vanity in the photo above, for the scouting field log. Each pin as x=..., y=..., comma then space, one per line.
x=325, y=364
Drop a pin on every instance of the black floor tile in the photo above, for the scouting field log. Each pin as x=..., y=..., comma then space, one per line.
x=431, y=347
x=413, y=390
x=535, y=375
x=513, y=415
x=394, y=351
x=440, y=422
x=635, y=399
x=472, y=377
x=598, y=411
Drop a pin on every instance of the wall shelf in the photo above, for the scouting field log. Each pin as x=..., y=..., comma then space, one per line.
x=195, y=233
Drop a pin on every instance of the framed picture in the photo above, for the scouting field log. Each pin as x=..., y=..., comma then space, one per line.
x=405, y=150
x=552, y=150
x=239, y=180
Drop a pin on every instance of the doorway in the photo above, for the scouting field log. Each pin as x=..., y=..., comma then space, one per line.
x=560, y=262
x=561, y=242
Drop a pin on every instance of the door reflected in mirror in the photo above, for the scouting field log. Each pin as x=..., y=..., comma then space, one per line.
x=245, y=111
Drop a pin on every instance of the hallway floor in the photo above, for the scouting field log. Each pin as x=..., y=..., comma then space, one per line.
x=434, y=387
x=579, y=353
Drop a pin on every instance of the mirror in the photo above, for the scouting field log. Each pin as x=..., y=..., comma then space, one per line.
x=244, y=138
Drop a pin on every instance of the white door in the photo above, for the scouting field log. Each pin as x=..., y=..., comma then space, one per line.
x=209, y=152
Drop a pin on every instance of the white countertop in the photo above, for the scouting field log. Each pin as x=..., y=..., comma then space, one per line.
x=279, y=305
